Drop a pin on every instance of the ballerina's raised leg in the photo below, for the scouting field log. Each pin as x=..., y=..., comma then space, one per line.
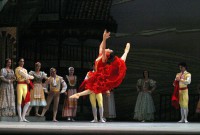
x=83, y=93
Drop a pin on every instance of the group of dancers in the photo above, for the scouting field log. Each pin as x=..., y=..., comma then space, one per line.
x=108, y=72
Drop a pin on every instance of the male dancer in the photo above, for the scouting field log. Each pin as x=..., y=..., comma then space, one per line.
x=55, y=83
x=22, y=89
x=181, y=81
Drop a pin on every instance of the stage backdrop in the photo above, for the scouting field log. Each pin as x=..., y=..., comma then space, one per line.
x=162, y=34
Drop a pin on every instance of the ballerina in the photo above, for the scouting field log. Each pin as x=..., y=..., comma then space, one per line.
x=109, y=70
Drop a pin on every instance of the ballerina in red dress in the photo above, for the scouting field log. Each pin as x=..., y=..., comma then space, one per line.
x=109, y=70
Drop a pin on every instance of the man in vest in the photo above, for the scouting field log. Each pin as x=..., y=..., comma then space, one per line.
x=183, y=78
x=23, y=80
x=55, y=83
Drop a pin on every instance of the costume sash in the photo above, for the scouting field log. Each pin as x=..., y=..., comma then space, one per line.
x=29, y=86
x=175, y=95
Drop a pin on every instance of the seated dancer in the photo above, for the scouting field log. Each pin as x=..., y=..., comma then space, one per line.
x=109, y=71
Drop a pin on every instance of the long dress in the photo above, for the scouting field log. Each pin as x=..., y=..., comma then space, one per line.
x=7, y=96
x=109, y=105
x=144, y=108
x=70, y=104
x=198, y=103
x=106, y=76
x=37, y=93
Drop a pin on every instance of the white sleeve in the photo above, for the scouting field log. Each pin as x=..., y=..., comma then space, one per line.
x=25, y=75
x=3, y=75
x=64, y=85
x=188, y=80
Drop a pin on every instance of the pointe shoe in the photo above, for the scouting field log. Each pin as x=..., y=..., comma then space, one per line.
x=69, y=119
x=181, y=121
x=55, y=120
x=38, y=115
x=185, y=121
x=25, y=120
x=21, y=120
x=41, y=115
x=72, y=120
x=105, y=119
x=76, y=96
x=102, y=121
x=94, y=121
x=126, y=50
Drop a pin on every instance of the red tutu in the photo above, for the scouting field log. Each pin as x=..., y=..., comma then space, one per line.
x=107, y=76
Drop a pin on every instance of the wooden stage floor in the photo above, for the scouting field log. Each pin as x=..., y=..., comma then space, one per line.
x=111, y=128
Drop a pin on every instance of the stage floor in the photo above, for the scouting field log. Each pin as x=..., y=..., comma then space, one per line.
x=150, y=128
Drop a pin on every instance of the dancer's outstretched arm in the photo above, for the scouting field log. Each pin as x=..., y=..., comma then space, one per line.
x=102, y=47
x=126, y=51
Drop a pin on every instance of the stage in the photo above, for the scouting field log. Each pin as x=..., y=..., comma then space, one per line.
x=150, y=128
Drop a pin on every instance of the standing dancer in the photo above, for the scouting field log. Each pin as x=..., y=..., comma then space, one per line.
x=180, y=94
x=23, y=80
x=7, y=95
x=37, y=93
x=56, y=83
x=144, y=107
x=70, y=105
x=109, y=106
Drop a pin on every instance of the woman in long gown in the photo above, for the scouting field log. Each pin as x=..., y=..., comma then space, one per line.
x=70, y=105
x=144, y=108
x=7, y=96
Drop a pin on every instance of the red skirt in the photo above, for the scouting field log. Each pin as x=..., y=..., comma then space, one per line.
x=107, y=77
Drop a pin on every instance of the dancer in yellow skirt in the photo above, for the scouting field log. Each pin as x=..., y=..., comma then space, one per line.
x=37, y=93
